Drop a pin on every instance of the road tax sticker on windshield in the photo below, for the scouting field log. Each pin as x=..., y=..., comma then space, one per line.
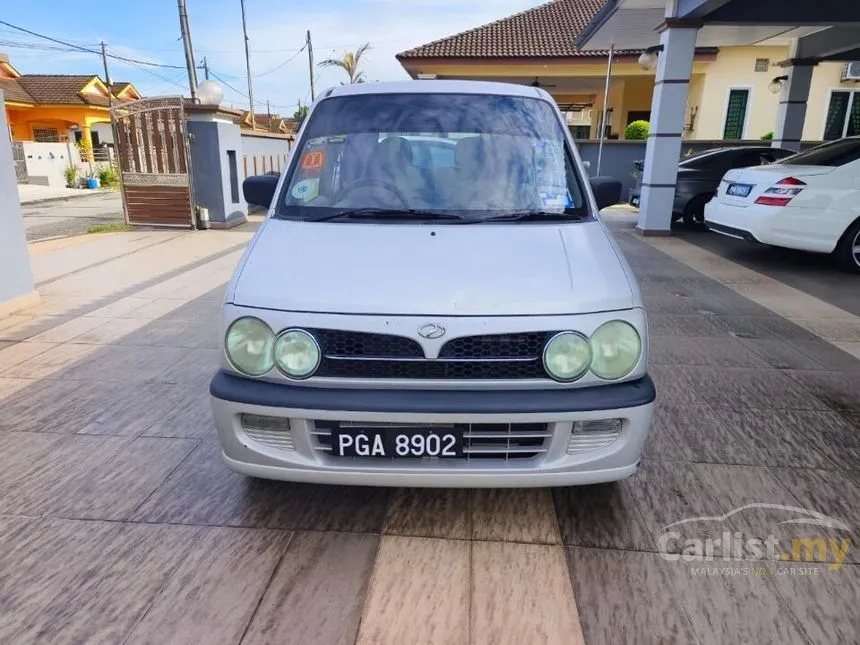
x=306, y=190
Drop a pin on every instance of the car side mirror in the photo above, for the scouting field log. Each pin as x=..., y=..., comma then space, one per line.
x=259, y=190
x=607, y=191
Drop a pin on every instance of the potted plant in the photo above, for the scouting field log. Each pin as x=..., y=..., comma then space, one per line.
x=71, y=176
x=92, y=182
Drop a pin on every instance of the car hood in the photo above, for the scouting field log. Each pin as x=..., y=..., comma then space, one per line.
x=444, y=270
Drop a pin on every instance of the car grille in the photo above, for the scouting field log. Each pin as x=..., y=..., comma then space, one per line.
x=381, y=356
x=496, y=441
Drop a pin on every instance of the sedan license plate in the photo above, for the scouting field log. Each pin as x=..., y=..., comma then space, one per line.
x=739, y=190
x=401, y=444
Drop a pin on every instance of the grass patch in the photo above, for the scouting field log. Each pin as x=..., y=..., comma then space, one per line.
x=110, y=228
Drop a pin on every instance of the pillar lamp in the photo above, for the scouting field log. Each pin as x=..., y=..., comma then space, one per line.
x=210, y=93
x=775, y=86
x=648, y=58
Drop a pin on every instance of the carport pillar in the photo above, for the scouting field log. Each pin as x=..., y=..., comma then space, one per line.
x=668, y=107
x=791, y=114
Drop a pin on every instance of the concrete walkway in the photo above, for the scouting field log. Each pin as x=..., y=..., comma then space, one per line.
x=120, y=524
x=73, y=215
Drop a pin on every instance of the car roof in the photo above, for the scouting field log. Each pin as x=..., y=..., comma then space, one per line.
x=437, y=87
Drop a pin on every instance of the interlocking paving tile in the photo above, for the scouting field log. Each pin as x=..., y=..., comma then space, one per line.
x=782, y=437
x=825, y=604
x=627, y=597
x=23, y=451
x=697, y=325
x=739, y=326
x=95, y=477
x=431, y=604
x=190, y=418
x=668, y=492
x=726, y=608
x=601, y=516
x=106, y=598
x=514, y=515
x=703, y=437
x=43, y=556
x=829, y=357
x=317, y=592
x=673, y=386
x=521, y=593
x=780, y=354
x=841, y=391
x=752, y=388
x=132, y=409
x=661, y=445
x=356, y=509
x=711, y=352
x=430, y=512
x=203, y=491
x=213, y=594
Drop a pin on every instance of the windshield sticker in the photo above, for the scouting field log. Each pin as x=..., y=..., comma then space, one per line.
x=337, y=139
x=314, y=160
x=555, y=200
x=306, y=190
x=318, y=141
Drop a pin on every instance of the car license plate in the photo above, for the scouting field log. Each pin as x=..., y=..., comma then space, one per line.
x=446, y=443
x=739, y=190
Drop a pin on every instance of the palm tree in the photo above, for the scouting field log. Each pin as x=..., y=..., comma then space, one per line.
x=349, y=63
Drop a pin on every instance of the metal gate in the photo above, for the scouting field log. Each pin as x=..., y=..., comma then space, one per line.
x=20, y=162
x=152, y=146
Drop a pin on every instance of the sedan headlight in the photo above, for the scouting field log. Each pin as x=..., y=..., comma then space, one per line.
x=248, y=345
x=567, y=356
x=616, y=346
x=297, y=353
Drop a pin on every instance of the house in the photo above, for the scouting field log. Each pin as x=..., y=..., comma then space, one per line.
x=267, y=123
x=733, y=93
x=57, y=108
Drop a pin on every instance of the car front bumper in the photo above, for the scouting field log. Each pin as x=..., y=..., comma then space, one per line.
x=295, y=455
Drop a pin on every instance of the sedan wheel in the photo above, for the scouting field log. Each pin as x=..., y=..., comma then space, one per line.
x=848, y=251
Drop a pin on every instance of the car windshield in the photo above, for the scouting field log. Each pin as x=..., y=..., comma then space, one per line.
x=835, y=153
x=448, y=157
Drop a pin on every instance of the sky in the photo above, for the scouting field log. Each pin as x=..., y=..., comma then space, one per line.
x=148, y=30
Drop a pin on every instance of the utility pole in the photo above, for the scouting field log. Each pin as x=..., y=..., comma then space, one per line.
x=189, y=52
x=269, y=114
x=248, y=66
x=311, y=63
x=107, y=74
x=206, y=68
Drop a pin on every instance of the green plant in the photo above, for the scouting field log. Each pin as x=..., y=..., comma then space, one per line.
x=349, y=63
x=767, y=136
x=637, y=130
x=110, y=228
x=70, y=173
x=109, y=177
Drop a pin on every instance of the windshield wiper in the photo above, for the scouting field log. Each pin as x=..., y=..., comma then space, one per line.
x=569, y=214
x=386, y=213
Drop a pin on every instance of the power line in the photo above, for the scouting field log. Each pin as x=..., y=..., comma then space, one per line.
x=275, y=69
x=85, y=49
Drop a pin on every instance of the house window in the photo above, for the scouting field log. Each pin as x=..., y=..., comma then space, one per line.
x=580, y=131
x=762, y=64
x=843, y=115
x=46, y=135
x=736, y=114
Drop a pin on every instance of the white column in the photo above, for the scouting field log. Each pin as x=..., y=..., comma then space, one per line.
x=791, y=114
x=16, y=277
x=663, y=151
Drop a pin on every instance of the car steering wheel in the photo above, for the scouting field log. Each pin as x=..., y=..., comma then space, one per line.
x=361, y=183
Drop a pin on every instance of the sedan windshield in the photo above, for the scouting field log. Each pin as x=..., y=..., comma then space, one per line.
x=452, y=158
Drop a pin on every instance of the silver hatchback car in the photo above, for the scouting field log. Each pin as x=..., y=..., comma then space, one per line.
x=433, y=300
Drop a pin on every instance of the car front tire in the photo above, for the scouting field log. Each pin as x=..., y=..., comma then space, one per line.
x=847, y=252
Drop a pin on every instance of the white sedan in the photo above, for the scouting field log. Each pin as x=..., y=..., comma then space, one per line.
x=809, y=201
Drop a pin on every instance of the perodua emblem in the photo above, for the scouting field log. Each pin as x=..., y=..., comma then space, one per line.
x=431, y=331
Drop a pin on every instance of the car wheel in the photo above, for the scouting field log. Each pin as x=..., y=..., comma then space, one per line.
x=848, y=250
x=694, y=213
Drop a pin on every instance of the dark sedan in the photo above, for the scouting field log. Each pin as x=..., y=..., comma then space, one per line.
x=699, y=176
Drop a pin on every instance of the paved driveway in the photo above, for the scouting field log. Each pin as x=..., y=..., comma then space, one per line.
x=72, y=215
x=119, y=524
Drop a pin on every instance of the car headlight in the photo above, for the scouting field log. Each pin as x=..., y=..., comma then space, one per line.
x=248, y=344
x=567, y=356
x=616, y=346
x=297, y=353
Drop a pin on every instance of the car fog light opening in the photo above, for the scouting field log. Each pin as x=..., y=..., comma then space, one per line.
x=270, y=431
x=593, y=435
x=567, y=356
x=297, y=353
x=616, y=348
x=248, y=344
